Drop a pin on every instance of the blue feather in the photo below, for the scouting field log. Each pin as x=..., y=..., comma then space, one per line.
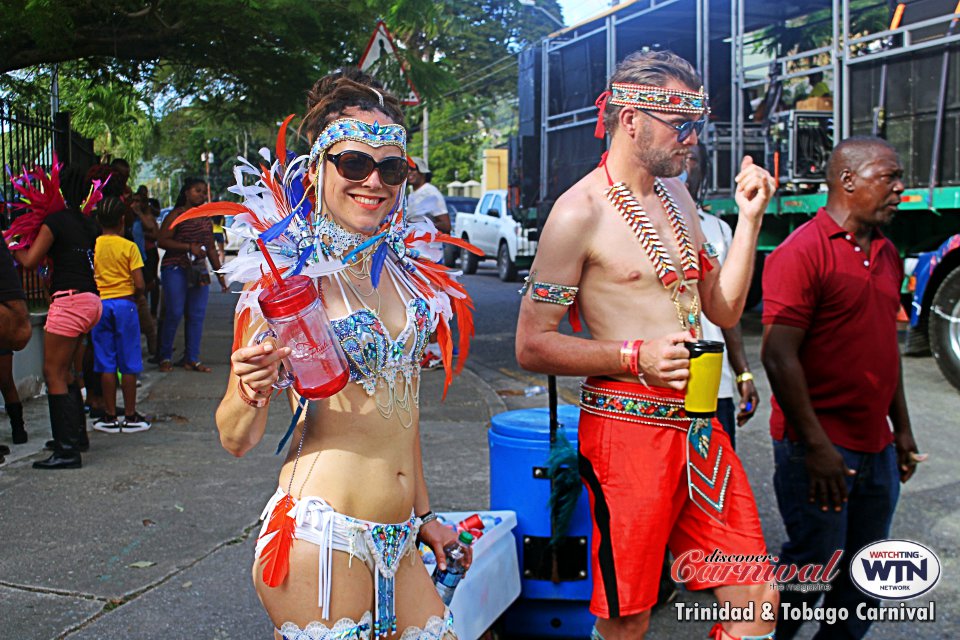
x=293, y=424
x=302, y=261
x=376, y=264
x=277, y=229
x=362, y=247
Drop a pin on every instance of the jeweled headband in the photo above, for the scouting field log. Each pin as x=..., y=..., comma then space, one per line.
x=375, y=135
x=659, y=98
x=645, y=96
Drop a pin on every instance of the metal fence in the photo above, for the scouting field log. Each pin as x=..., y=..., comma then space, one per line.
x=26, y=139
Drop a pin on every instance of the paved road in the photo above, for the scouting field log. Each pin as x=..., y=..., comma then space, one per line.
x=153, y=537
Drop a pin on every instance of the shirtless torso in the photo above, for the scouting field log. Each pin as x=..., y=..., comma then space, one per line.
x=635, y=454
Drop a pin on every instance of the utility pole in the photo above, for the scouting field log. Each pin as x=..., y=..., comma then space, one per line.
x=54, y=90
x=426, y=135
x=207, y=157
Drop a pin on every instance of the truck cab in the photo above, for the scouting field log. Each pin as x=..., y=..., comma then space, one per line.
x=498, y=231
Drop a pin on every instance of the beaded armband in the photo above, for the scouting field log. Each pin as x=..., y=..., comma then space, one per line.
x=549, y=292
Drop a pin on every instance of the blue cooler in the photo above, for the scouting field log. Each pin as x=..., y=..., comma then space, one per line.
x=519, y=448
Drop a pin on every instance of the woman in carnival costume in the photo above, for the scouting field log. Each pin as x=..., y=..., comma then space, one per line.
x=352, y=500
x=55, y=231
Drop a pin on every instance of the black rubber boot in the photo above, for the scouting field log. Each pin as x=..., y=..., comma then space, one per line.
x=66, y=453
x=81, y=418
x=15, y=413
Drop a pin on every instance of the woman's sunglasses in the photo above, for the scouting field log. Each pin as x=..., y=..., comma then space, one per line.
x=683, y=129
x=356, y=166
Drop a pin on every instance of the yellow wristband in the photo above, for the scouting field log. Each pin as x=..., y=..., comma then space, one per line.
x=744, y=377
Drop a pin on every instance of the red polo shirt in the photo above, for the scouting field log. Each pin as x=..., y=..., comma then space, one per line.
x=819, y=280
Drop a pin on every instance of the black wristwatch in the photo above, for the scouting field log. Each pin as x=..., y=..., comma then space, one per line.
x=429, y=516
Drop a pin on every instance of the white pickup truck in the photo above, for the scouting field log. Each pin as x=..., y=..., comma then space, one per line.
x=494, y=230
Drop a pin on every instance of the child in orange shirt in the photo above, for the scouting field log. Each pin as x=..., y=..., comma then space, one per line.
x=118, y=270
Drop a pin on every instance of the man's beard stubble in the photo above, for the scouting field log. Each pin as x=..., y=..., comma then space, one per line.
x=660, y=163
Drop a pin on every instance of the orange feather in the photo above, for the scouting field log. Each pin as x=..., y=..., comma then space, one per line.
x=282, y=140
x=275, y=557
x=239, y=327
x=211, y=209
x=459, y=242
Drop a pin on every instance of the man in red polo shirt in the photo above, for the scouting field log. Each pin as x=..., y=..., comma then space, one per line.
x=831, y=293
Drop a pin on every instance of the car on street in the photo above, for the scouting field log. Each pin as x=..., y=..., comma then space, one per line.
x=497, y=230
x=455, y=205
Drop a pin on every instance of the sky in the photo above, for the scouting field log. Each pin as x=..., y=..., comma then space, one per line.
x=576, y=10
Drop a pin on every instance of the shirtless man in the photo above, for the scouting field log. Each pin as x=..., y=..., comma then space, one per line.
x=641, y=305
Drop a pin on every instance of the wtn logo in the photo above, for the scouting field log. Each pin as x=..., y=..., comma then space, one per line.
x=903, y=570
x=895, y=569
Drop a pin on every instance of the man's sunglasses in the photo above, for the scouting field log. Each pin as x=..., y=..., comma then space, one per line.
x=683, y=129
x=356, y=166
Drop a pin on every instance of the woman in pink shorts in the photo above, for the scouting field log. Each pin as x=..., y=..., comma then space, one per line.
x=67, y=238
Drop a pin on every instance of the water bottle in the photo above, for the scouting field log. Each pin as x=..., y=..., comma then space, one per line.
x=447, y=580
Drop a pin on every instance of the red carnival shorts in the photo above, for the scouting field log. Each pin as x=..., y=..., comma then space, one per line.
x=633, y=460
x=73, y=313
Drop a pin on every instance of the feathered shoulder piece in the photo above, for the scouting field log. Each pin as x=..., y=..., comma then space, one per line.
x=279, y=214
x=40, y=196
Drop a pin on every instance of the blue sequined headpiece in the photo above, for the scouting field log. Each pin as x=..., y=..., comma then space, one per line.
x=375, y=135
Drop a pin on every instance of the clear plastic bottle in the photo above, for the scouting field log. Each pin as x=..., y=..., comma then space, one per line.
x=447, y=580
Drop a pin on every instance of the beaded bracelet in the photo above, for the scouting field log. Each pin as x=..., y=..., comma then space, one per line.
x=257, y=403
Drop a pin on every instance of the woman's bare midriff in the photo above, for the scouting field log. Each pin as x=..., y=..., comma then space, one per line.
x=362, y=464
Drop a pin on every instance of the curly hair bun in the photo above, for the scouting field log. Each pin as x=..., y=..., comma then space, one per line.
x=342, y=89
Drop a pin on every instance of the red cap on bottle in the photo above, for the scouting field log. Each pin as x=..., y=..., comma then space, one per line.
x=288, y=299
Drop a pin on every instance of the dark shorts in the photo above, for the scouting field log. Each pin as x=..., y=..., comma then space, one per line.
x=633, y=461
x=116, y=338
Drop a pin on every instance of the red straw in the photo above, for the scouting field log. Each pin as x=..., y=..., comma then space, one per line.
x=269, y=259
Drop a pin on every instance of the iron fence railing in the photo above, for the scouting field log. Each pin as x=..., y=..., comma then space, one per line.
x=26, y=139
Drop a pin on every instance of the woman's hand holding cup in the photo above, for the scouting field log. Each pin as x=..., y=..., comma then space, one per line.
x=258, y=366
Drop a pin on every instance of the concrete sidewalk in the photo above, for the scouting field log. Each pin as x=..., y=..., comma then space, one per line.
x=153, y=537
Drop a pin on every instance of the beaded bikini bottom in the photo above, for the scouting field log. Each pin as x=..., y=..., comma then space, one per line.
x=708, y=472
x=380, y=546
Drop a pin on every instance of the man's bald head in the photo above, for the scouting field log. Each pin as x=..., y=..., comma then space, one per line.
x=865, y=181
x=852, y=154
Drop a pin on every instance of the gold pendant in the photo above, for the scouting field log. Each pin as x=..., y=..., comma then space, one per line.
x=689, y=317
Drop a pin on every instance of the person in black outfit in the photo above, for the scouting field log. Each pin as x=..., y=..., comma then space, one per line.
x=67, y=239
x=14, y=335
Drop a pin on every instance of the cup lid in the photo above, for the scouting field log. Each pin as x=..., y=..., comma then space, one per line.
x=288, y=298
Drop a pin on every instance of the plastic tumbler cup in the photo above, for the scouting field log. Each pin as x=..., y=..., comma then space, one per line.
x=316, y=366
x=706, y=365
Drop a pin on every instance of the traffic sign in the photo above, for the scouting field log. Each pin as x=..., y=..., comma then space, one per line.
x=380, y=59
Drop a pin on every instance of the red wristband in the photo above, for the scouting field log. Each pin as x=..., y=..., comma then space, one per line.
x=258, y=402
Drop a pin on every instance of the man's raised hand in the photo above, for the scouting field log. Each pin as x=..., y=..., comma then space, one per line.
x=755, y=187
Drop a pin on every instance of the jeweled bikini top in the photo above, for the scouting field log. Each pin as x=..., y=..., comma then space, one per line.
x=373, y=354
